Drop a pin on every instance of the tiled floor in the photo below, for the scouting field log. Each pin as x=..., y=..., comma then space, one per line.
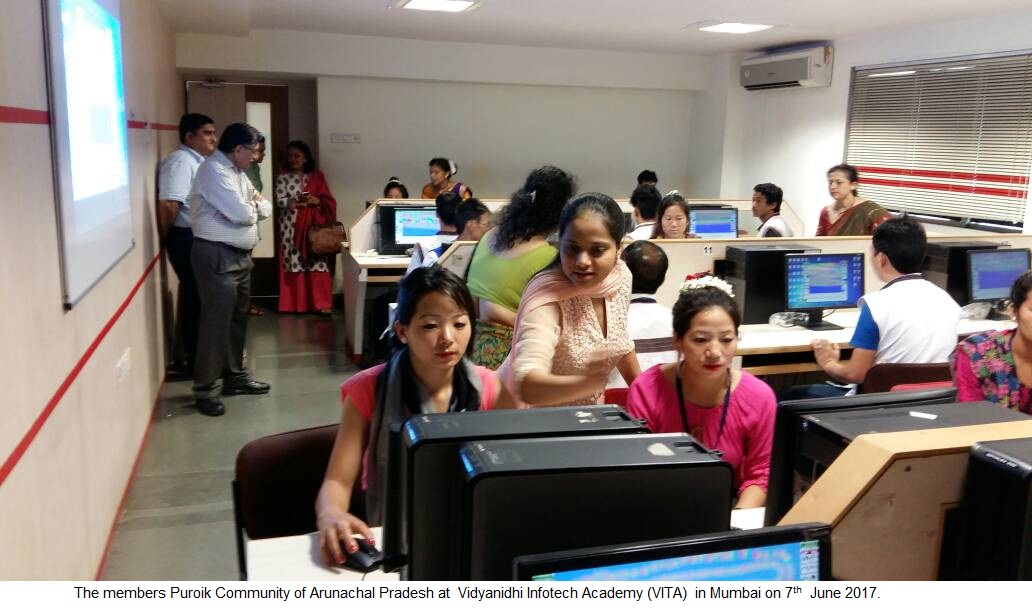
x=178, y=519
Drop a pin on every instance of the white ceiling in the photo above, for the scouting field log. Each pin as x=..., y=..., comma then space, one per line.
x=628, y=25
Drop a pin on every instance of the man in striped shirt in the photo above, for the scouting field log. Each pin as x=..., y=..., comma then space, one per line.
x=225, y=209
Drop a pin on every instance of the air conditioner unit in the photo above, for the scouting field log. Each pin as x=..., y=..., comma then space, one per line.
x=800, y=68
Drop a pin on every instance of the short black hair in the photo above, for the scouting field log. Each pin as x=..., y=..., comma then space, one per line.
x=903, y=242
x=772, y=193
x=192, y=122
x=445, y=165
x=392, y=183
x=648, y=265
x=469, y=210
x=1019, y=290
x=236, y=135
x=646, y=198
x=599, y=204
x=426, y=280
x=647, y=176
x=306, y=151
x=691, y=302
x=447, y=203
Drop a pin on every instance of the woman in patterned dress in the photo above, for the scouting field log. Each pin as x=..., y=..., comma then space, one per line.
x=304, y=199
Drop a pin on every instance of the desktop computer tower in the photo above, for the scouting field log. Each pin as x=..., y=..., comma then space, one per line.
x=531, y=496
x=996, y=512
x=822, y=437
x=946, y=266
x=757, y=275
x=429, y=482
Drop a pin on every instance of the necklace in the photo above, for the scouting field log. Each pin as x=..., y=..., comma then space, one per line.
x=684, y=410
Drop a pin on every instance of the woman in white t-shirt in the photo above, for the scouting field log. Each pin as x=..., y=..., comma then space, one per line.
x=766, y=206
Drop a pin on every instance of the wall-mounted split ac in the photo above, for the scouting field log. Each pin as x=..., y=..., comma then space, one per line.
x=796, y=68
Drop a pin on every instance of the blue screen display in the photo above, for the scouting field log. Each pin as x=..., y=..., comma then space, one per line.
x=792, y=561
x=993, y=272
x=824, y=281
x=412, y=225
x=713, y=223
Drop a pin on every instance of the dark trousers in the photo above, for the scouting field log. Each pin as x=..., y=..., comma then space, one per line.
x=224, y=282
x=178, y=246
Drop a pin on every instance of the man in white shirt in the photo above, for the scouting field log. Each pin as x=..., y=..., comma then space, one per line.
x=645, y=200
x=176, y=172
x=225, y=209
x=766, y=206
x=649, y=324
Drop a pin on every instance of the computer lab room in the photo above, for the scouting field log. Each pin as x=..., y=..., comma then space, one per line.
x=392, y=290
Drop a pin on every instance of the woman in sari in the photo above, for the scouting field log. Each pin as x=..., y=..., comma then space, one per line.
x=849, y=215
x=305, y=201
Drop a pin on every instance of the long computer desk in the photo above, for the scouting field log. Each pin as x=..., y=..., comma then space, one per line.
x=765, y=349
x=298, y=557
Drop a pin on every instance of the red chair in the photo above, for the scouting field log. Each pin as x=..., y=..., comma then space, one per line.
x=616, y=396
x=886, y=376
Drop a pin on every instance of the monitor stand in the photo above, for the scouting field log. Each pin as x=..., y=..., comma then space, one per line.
x=815, y=321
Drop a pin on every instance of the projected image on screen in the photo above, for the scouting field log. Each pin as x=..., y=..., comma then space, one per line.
x=792, y=561
x=411, y=225
x=96, y=112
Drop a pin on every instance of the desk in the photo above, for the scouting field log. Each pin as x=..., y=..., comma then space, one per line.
x=773, y=350
x=298, y=557
x=358, y=272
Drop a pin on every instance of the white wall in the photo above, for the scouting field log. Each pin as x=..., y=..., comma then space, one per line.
x=312, y=53
x=790, y=137
x=496, y=134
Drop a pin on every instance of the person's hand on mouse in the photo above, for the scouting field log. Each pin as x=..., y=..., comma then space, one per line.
x=336, y=529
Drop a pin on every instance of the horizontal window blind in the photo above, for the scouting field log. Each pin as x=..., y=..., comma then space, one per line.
x=948, y=138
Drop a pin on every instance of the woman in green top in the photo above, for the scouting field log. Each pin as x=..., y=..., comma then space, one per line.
x=510, y=254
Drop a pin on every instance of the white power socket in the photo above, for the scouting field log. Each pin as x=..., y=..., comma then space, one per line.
x=707, y=250
x=123, y=365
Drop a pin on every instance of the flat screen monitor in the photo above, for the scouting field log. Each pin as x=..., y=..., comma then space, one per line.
x=800, y=552
x=991, y=272
x=815, y=282
x=713, y=222
x=782, y=484
x=402, y=227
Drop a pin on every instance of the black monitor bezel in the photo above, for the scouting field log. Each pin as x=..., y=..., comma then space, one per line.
x=385, y=219
x=717, y=207
x=968, y=263
x=525, y=568
x=805, y=255
x=784, y=444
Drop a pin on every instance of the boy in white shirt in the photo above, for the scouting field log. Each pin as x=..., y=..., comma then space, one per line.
x=766, y=206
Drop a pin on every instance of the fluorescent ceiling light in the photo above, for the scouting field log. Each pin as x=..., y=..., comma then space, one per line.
x=899, y=73
x=735, y=28
x=448, y=6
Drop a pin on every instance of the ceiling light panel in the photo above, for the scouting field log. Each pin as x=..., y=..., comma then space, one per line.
x=447, y=6
x=736, y=28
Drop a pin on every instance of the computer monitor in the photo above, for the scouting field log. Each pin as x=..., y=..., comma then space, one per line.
x=783, y=485
x=402, y=227
x=991, y=272
x=712, y=222
x=815, y=282
x=800, y=552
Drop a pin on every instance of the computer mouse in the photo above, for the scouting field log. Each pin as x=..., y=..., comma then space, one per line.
x=365, y=559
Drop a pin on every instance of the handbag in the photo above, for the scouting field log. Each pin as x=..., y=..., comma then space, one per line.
x=326, y=239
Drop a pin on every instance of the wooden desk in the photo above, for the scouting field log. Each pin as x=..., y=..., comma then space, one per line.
x=358, y=271
x=773, y=350
x=298, y=557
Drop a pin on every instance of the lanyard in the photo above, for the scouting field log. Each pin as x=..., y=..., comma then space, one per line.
x=684, y=410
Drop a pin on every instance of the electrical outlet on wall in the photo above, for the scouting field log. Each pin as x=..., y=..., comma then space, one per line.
x=123, y=365
x=707, y=250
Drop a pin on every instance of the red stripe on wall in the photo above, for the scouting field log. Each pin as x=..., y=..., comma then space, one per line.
x=16, y=115
x=136, y=125
x=943, y=187
x=957, y=175
x=37, y=426
x=154, y=126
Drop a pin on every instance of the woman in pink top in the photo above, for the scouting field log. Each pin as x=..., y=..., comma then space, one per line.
x=722, y=407
x=571, y=326
x=428, y=373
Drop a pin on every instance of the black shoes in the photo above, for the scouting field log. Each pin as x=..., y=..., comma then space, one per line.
x=210, y=407
x=245, y=387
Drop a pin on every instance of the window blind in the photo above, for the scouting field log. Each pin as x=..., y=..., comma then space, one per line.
x=950, y=138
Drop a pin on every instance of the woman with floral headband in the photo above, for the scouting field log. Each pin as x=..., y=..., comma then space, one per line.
x=702, y=394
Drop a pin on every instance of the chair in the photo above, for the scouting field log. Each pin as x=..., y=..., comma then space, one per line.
x=616, y=396
x=881, y=378
x=277, y=480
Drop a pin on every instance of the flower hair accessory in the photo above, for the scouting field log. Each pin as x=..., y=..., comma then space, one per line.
x=704, y=279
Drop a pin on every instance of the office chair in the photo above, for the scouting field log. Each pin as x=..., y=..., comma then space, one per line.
x=277, y=480
x=882, y=378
